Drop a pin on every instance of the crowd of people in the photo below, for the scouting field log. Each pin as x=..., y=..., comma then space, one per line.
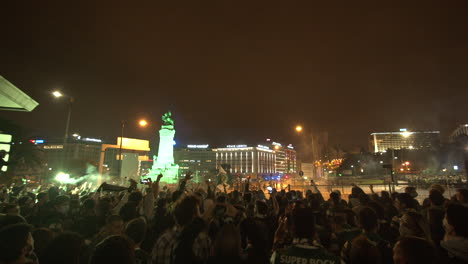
x=201, y=223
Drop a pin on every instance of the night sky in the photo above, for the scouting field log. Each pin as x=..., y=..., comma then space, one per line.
x=237, y=72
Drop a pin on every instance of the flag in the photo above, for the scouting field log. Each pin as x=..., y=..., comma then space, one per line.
x=221, y=170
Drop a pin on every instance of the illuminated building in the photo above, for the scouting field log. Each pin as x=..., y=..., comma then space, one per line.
x=242, y=159
x=164, y=162
x=461, y=130
x=198, y=159
x=403, y=139
x=79, y=152
x=285, y=158
x=134, y=152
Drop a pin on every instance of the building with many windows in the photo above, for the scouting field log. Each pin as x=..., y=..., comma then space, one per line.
x=198, y=159
x=242, y=159
x=403, y=139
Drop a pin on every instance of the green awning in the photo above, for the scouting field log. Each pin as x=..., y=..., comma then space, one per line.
x=13, y=99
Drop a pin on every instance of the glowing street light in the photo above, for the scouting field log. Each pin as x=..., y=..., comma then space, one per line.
x=298, y=128
x=57, y=94
x=143, y=123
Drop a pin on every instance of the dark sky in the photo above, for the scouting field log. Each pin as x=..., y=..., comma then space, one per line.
x=239, y=71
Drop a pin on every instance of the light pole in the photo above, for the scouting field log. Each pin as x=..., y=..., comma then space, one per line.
x=71, y=100
x=299, y=129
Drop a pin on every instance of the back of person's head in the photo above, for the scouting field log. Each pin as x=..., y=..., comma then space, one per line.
x=221, y=199
x=14, y=242
x=65, y=248
x=457, y=218
x=129, y=211
x=414, y=250
x=104, y=206
x=42, y=197
x=228, y=242
x=438, y=187
x=411, y=191
x=186, y=210
x=114, y=224
x=335, y=197
x=364, y=199
x=462, y=195
x=414, y=224
x=364, y=251
x=405, y=201
x=378, y=208
x=115, y=249
x=136, y=230
x=261, y=207
x=53, y=192
x=135, y=197
x=368, y=219
x=303, y=219
x=436, y=198
x=42, y=238
x=89, y=204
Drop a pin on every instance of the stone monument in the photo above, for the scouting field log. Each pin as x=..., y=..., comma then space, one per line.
x=164, y=161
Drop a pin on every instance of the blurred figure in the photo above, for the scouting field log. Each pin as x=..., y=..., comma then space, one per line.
x=304, y=248
x=114, y=249
x=364, y=251
x=114, y=226
x=414, y=224
x=414, y=250
x=42, y=238
x=462, y=197
x=65, y=248
x=227, y=247
x=456, y=233
x=136, y=231
x=16, y=244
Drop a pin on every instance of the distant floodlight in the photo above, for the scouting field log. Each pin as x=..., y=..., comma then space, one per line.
x=298, y=128
x=62, y=177
x=57, y=94
x=406, y=134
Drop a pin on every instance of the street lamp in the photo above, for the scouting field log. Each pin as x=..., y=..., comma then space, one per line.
x=71, y=100
x=142, y=123
x=298, y=128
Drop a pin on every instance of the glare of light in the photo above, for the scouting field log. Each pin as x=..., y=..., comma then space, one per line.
x=411, y=147
x=407, y=163
x=143, y=123
x=402, y=169
x=298, y=128
x=305, y=177
x=75, y=135
x=455, y=167
x=362, y=170
x=62, y=177
x=444, y=170
x=57, y=94
x=276, y=147
x=406, y=134
x=352, y=166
